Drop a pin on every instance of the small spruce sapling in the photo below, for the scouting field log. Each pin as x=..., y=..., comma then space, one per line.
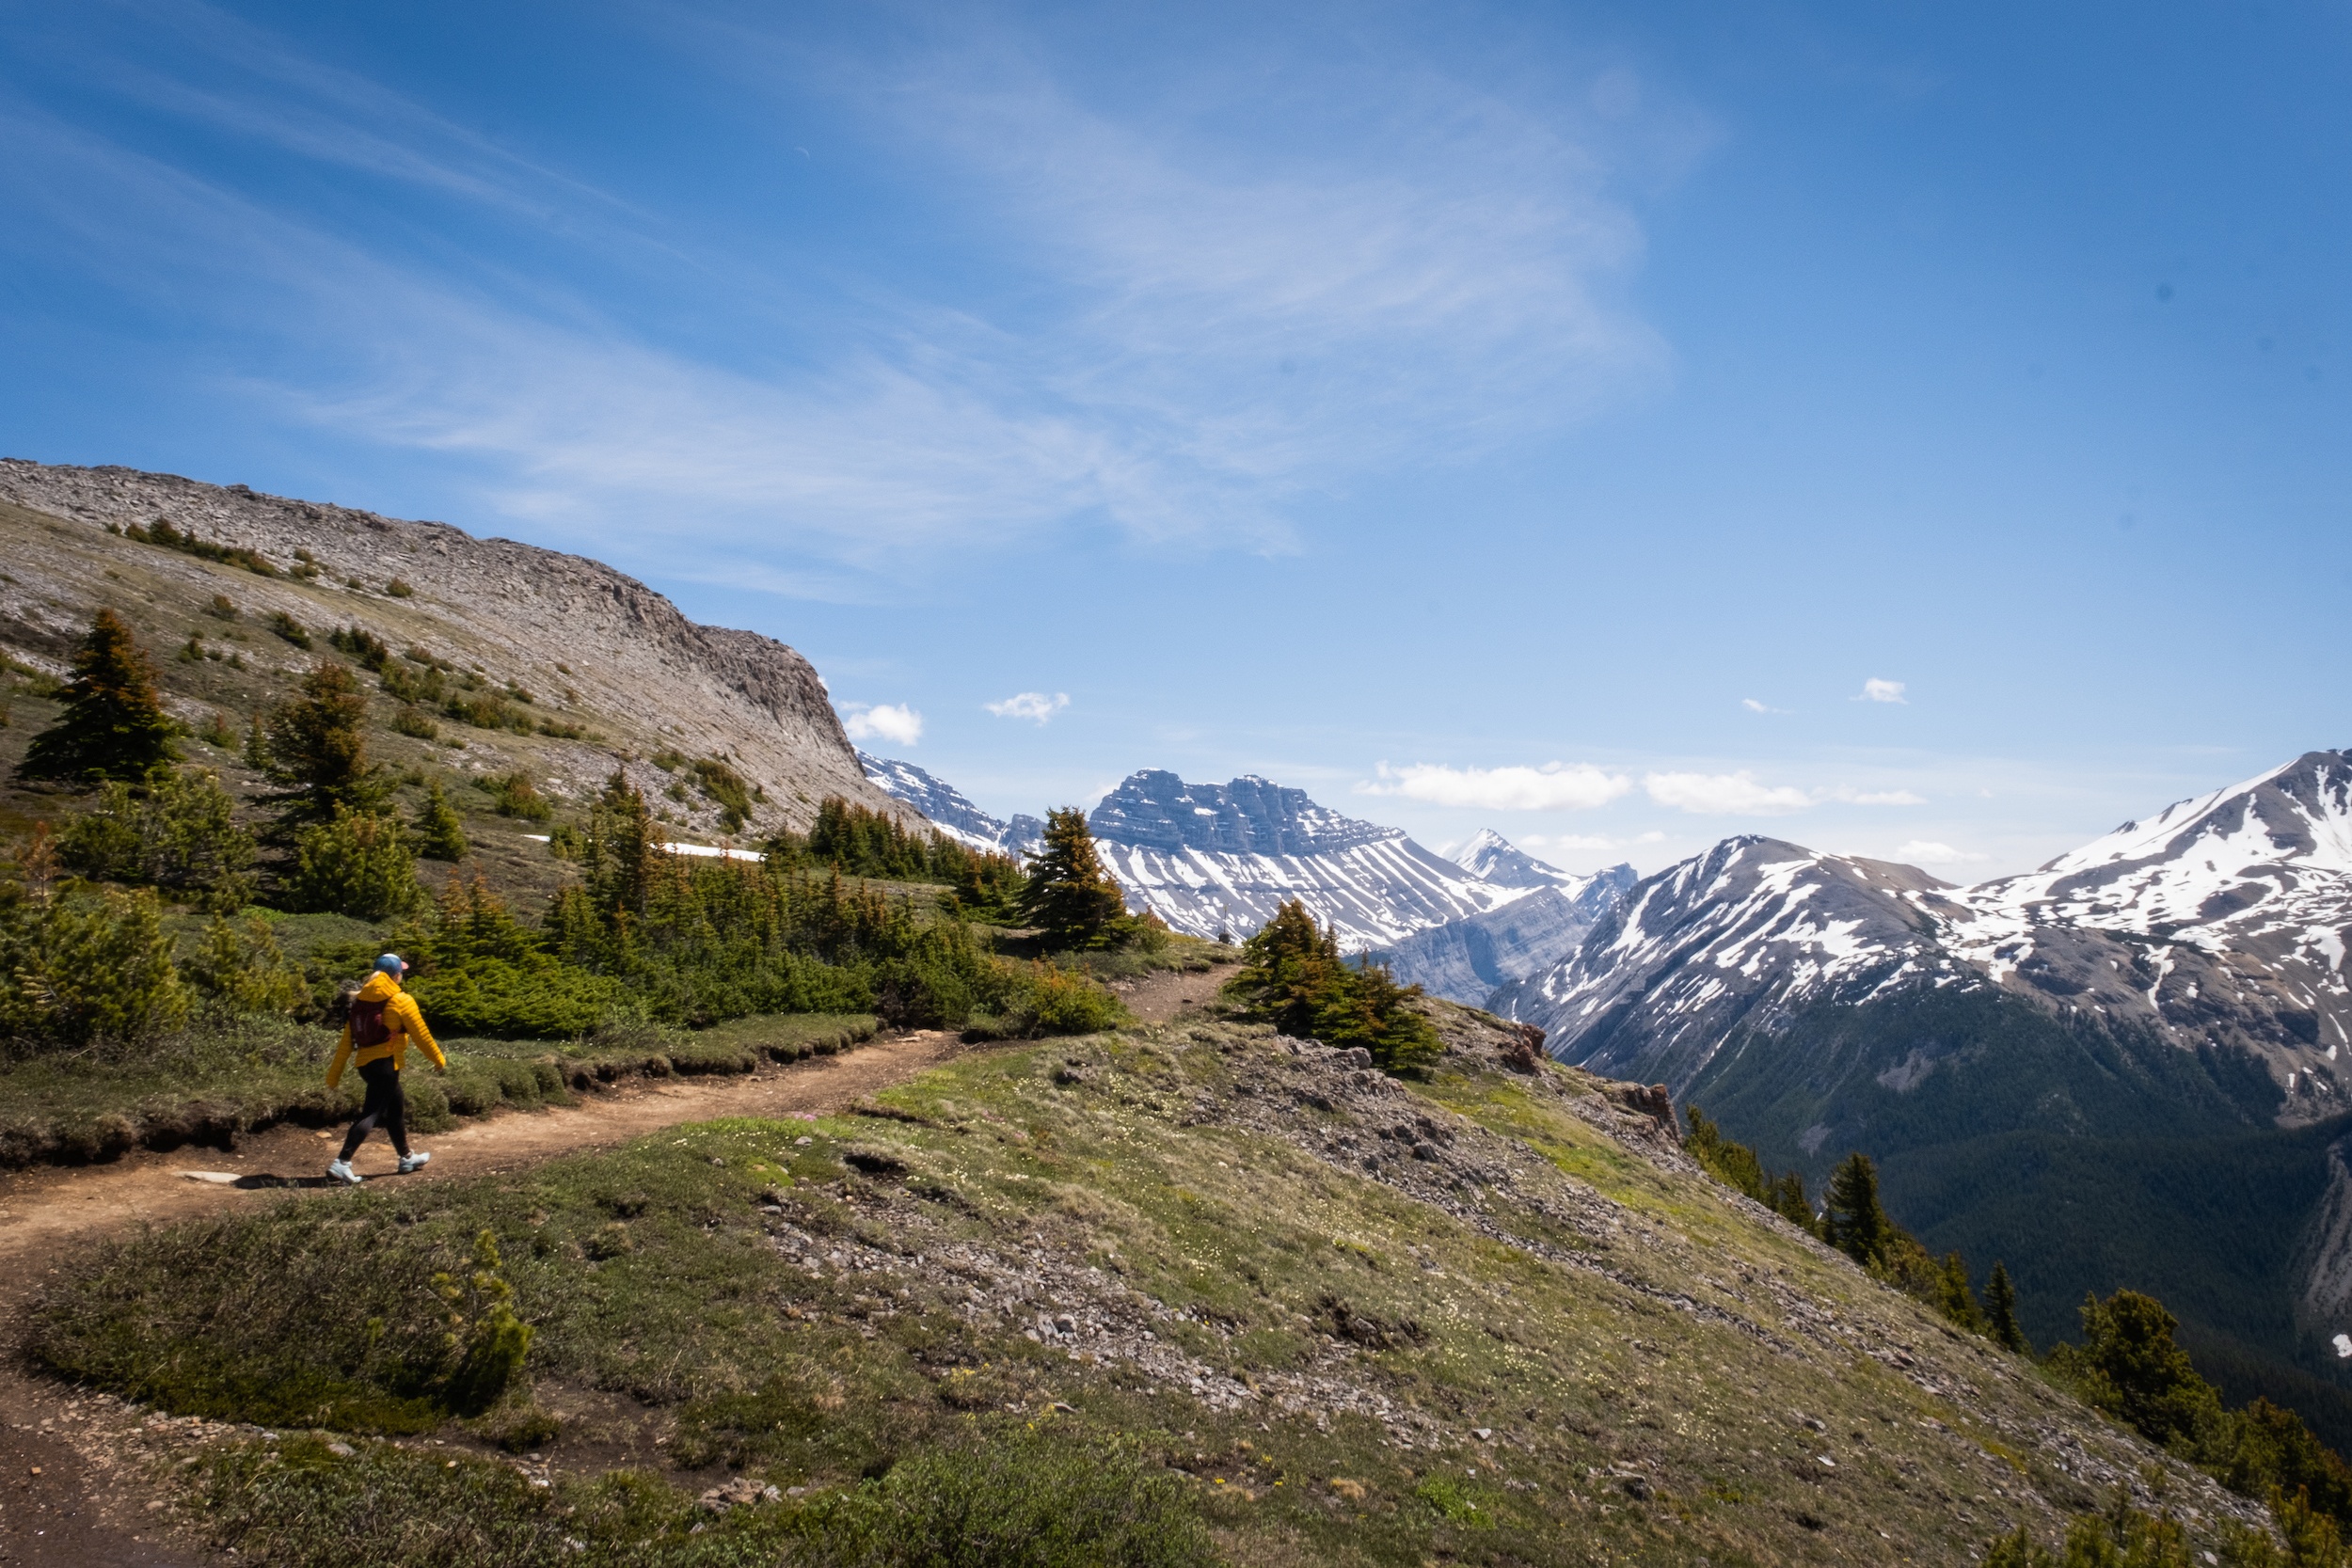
x=440, y=836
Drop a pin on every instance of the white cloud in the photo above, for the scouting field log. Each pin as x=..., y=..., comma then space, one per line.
x=893, y=721
x=1724, y=794
x=1033, y=706
x=1554, y=786
x=1755, y=707
x=1876, y=690
x=1922, y=851
x=1568, y=841
x=1877, y=796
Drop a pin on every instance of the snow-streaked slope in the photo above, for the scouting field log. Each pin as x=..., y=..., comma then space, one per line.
x=1211, y=858
x=1465, y=960
x=2222, y=922
x=950, y=810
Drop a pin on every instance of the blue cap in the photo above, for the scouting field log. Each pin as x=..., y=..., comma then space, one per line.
x=389, y=963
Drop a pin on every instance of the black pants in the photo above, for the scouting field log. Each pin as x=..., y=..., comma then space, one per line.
x=385, y=1106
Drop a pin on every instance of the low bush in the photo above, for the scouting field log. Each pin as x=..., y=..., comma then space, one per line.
x=1018, y=1499
x=177, y=831
x=81, y=969
x=359, y=864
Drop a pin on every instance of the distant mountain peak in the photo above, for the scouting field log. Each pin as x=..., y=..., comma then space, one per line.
x=1155, y=809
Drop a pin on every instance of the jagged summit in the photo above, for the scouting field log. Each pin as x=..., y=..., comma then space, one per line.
x=1154, y=809
x=1490, y=856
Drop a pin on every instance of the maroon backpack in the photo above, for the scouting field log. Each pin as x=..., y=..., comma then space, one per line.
x=368, y=1028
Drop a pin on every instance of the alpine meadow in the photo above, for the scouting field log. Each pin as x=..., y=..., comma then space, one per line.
x=1404, y=788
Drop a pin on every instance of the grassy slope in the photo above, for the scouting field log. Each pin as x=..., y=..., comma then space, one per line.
x=1195, y=1245
x=2087, y=1160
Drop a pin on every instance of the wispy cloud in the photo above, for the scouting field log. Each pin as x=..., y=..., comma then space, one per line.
x=1922, y=851
x=1724, y=794
x=1033, y=706
x=1554, y=786
x=1876, y=690
x=1208, y=325
x=1755, y=707
x=1876, y=796
x=896, y=723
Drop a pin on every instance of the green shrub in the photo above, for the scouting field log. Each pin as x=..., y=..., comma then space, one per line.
x=492, y=1342
x=513, y=794
x=177, y=831
x=239, y=968
x=366, y=649
x=290, y=629
x=480, y=971
x=1019, y=1501
x=726, y=789
x=359, y=863
x=159, y=532
x=80, y=971
x=412, y=721
x=1051, y=1000
x=398, y=589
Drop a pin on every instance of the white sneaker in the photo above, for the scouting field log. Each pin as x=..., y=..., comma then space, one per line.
x=413, y=1161
x=340, y=1170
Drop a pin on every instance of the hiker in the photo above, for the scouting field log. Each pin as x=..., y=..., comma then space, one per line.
x=384, y=1019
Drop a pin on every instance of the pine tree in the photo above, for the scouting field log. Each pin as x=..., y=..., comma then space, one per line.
x=440, y=834
x=1856, y=1225
x=113, y=726
x=319, y=752
x=2000, y=1308
x=1072, y=898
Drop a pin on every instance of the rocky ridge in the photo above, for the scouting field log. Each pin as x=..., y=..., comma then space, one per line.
x=621, y=654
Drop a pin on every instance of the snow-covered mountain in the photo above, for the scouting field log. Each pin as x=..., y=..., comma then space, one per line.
x=950, y=810
x=1466, y=959
x=1211, y=858
x=2220, y=924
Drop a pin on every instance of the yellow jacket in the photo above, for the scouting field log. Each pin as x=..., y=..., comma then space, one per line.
x=401, y=1017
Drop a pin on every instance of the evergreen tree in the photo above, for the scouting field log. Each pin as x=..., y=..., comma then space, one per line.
x=2131, y=1368
x=318, y=751
x=1855, y=1224
x=440, y=834
x=113, y=726
x=2000, y=1306
x=1294, y=976
x=1071, y=898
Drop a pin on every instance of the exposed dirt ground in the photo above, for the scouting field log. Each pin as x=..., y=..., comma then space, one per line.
x=72, y=1497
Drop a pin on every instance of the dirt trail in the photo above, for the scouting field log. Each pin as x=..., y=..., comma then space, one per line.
x=1160, y=995
x=71, y=1494
x=40, y=1208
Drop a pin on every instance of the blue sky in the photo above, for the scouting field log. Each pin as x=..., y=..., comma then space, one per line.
x=1914, y=431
